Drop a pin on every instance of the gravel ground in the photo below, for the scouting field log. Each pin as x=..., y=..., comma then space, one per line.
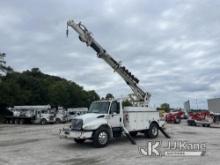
x=41, y=145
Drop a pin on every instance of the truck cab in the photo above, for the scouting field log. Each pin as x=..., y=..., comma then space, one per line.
x=61, y=115
x=43, y=117
x=107, y=119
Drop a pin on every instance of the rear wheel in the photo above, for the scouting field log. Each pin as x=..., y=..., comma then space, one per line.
x=101, y=137
x=21, y=121
x=58, y=120
x=153, y=131
x=177, y=120
x=79, y=141
x=11, y=121
x=43, y=122
x=17, y=121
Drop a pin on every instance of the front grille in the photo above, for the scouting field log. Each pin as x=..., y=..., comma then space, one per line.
x=76, y=124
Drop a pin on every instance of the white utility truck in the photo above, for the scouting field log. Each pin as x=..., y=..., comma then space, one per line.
x=36, y=114
x=107, y=119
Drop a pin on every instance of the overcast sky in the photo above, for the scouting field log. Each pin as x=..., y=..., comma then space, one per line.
x=172, y=46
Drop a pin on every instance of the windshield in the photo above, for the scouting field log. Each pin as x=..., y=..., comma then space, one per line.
x=99, y=107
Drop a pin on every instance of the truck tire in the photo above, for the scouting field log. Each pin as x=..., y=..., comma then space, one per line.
x=133, y=134
x=43, y=122
x=153, y=131
x=79, y=141
x=21, y=121
x=58, y=121
x=101, y=137
x=189, y=123
x=177, y=120
x=17, y=121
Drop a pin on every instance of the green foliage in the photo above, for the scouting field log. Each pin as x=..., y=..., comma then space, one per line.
x=109, y=96
x=126, y=103
x=36, y=88
x=165, y=107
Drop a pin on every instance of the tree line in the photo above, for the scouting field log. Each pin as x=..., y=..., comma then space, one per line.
x=32, y=87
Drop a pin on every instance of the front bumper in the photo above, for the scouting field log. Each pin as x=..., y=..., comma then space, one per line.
x=70, y=134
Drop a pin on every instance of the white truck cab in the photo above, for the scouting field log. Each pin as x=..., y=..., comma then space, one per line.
x=61, y=115
x=43, y=117
x=107, y=119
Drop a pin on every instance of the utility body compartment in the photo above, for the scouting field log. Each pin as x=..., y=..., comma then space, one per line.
x=140, y=118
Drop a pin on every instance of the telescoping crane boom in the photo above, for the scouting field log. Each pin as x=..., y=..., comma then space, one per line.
x=85, y=36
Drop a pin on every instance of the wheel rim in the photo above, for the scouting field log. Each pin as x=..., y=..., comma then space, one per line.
x=43, y=122
x=154, y=131
x=103, y=137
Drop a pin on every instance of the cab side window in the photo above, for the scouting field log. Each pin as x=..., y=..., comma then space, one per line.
x=114, y=107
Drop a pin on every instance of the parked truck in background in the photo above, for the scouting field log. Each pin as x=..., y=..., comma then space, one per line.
x=40, y=114
x=200, y=117
x=174, y=116
x=203, y=118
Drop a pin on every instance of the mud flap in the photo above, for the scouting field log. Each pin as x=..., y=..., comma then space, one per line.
x=129, y=136
x=164, y=133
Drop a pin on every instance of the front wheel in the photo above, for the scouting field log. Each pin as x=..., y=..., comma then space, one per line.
x=101, y=137
x=79, y=141
x=153, y=131
x=21, y=121
x=58, y=121
x=177, y=120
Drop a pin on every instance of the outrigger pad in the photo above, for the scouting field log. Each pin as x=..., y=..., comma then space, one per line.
x=164, y=133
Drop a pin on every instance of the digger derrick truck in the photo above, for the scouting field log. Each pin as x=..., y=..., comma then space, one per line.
x=107, y=119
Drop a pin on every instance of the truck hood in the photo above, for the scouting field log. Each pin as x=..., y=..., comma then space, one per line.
x=90, y=117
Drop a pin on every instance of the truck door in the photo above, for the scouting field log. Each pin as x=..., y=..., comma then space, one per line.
x=114, y=115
